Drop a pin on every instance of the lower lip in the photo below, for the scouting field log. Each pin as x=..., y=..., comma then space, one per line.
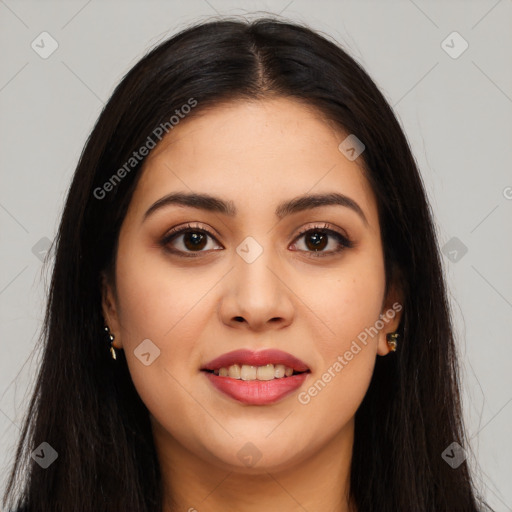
x=257, y=392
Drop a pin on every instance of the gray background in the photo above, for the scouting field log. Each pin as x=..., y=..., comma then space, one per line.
x=456, y=113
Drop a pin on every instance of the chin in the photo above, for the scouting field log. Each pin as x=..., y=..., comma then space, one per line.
x=257, y=455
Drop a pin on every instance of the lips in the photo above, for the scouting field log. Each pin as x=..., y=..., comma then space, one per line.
x=260, y=358
x=256, y=392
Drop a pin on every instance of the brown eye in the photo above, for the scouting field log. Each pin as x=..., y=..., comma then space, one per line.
x=317, y=239
x=187, y=240
x=193, y=240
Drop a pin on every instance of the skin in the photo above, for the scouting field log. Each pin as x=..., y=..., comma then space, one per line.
x=256, y=154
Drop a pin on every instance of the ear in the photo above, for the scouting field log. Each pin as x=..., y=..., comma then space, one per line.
x=109, y=308
x=391, y=316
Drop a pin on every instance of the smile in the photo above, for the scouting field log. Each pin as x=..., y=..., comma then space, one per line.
x=256, y=378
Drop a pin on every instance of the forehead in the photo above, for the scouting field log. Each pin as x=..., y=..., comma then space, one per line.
x=254, y=153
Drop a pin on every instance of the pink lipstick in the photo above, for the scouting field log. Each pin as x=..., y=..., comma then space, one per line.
x=256, y=378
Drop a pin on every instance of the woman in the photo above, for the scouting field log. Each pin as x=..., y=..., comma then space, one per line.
x=247, y=309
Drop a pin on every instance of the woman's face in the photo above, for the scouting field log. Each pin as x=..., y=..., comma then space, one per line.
x=254, y=283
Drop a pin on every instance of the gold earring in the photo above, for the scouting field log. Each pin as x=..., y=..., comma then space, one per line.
x=111, y=338
x=391, y=339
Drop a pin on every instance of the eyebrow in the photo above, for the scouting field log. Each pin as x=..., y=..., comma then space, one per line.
x=215, y=204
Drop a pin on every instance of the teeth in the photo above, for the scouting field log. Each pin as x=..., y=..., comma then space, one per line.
x=248, y=372
x=265, y=372
x=234, y=371
x=279, y=371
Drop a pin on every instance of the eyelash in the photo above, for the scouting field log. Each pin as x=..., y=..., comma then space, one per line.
x=344, y=242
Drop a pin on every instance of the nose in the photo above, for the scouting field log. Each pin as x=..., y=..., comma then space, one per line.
x=256, y=295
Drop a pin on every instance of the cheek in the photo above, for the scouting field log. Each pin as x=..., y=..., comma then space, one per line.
x=350, y=307
x=155, y=297
x=349, y=303
x=164, y=304
x=334, y=394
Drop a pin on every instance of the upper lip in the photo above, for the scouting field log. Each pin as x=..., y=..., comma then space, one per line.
x=260, y=358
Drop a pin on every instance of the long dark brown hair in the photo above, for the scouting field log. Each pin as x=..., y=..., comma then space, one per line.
x=85, y=405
